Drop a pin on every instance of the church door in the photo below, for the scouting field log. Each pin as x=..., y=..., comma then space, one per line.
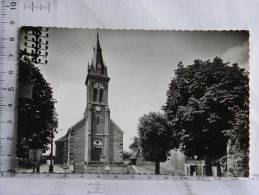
x=97, y=152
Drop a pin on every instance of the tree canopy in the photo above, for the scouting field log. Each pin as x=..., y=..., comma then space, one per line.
x=135, y=147
x=36, y=116
x=207, y=105
x=155, y=138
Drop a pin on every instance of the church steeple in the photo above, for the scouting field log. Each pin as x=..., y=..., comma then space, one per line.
x=97, y=61
x=97, y=66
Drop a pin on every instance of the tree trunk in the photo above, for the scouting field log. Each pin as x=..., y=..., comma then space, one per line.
x=218, y=170
x=157, y=167
x=208, y=166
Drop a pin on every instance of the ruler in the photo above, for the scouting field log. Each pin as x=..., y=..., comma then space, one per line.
x=15, y=13
x=8, y=79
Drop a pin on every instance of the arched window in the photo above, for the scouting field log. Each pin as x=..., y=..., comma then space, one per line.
x=95, y=95
x=101, y=96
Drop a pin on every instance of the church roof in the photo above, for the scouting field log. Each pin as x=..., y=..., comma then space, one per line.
x=61, y=139
x=116, y=126
x=77, y=125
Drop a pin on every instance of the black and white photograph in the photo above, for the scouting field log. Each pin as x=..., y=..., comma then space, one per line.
x=133, y=102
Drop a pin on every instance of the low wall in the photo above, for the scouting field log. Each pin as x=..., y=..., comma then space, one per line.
x=121, y=169
x=101, y=167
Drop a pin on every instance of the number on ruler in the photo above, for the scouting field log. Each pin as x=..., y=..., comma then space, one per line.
x=9, y=122
x=10, y=105
x=9, y=138
x=12, y=22
x=13, y=5
x=10, y=72
x=11, y=39
x=10, y=89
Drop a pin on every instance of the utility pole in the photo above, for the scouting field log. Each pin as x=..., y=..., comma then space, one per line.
x=51, y=153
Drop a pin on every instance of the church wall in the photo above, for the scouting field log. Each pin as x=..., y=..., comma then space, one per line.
x=116, y=143
x=98, y=129
x=59, y=152
x=65, y=152
x=79, y=152
x=89, y=147
x=72, y=146
x=77, y=143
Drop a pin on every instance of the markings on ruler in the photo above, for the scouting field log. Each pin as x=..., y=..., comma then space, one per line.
x=8, y=42
x=32, y=7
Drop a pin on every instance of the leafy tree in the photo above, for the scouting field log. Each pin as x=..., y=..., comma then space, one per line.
x=126, y=155
x=155, y=138
x=37, y=118
x=208, y=104
x=135, y=147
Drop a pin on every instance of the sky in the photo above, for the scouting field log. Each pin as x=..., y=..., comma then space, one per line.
x=140, y=63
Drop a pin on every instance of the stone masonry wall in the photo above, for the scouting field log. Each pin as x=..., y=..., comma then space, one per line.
x=77, y=143
x=59, y=152
x=116, y=142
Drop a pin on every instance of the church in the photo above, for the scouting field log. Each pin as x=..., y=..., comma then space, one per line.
x=96, y=137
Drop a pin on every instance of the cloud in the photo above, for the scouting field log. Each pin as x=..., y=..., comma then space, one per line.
x=238, y=54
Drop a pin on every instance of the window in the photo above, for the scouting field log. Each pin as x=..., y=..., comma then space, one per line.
x=95, y=95
x=97, y=120
x=99, y=69
x=101, y=96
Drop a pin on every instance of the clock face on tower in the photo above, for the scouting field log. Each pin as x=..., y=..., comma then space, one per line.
x=98, y=108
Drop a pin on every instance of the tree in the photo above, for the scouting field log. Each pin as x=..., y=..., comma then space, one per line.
x=208, y=104
x=135, y=147
x=155, y=138
x=126, y=155
x=37, y=119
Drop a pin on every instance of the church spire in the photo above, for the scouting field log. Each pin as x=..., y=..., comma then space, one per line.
x=97, y=61
x=97, y=67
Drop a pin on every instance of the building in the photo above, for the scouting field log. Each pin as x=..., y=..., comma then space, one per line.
x=59, y=150
x=96, y=137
